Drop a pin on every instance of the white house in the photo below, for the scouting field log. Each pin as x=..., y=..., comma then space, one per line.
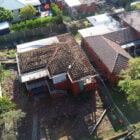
x=16, y=5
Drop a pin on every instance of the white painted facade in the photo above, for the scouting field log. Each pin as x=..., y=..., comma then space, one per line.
x=33, y=75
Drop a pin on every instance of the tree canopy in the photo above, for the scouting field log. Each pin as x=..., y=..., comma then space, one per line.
x=27, y=12
x=131, y=81
x=6, y=15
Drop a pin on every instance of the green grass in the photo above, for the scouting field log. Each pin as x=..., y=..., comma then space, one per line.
x=8, y=54
x=130, y=111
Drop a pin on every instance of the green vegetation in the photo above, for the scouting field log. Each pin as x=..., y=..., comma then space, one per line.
x=131, y=82
x=5, y=15
x=28, y=12
x=39, y=22
x=6, y=105
x=9, y=114
x=9, y=124
x=74, y=29
x=4, y=73
x=56, y=11
x=30, y=24
x=8, y=54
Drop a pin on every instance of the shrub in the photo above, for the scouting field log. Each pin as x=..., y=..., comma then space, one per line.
x=30, y=24
x=6, y=105
x=74, y=29
x=55, y=9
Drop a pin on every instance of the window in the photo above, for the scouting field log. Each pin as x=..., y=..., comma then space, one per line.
x=88, y=4
x=88, y=81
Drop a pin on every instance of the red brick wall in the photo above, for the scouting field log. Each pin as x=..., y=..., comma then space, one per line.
x=88, y=9
x=82, y=8
x=95, y=59
x=76, y=88
x=61, y=86
x=60, y=4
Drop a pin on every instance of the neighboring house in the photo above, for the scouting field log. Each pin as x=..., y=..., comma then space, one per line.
x=107, y=55
x=131, y=19
x=16, y=5
x=78, y=7
x=56, y=64
x=128, y=39
x=102, y=24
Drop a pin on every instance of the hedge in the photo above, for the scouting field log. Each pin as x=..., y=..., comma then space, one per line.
x=30, y=24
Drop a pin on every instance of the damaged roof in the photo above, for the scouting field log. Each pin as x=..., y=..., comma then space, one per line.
x=57, y=58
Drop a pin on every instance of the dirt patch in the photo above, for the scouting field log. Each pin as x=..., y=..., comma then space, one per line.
x=56, y=119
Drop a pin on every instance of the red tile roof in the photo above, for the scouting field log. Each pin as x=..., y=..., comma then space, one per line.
x=57, y=58
x=110, y=53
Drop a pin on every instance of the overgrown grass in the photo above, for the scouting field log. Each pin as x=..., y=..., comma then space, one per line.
x=8, y=54
x=130, y=111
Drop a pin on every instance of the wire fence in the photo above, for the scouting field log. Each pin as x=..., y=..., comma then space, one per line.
x=108, y=101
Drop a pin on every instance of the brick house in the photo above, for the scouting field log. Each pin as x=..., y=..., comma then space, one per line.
x=128, y=39
x=55, y=64
x=131, y=19
x=109, y=56
x=78, y=7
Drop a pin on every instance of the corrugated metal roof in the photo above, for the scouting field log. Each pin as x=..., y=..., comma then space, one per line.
x=11, y=4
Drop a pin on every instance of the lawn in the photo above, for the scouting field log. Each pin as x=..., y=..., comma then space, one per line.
x=130, y=111
x=7, y=54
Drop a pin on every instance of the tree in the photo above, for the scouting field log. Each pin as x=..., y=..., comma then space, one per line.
x=131, y=81
x=6, y=105
x=9, y=122
x=6, y=15
x=55, y=9
x=27, y=12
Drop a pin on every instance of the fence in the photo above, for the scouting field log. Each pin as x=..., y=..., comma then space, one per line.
x=7, y=41
x=110, y=103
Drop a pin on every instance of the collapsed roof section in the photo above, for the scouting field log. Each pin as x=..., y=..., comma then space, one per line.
x=62, y=56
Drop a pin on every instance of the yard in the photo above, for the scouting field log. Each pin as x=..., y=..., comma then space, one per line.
x=65, y=118
x=130, y=111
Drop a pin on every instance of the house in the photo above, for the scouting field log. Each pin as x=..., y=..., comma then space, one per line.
x=56, y=64
x=78, y=7
x=102, y=24
x=131, y=19
x=108, y=56
x=16, y=5
x=128, y=39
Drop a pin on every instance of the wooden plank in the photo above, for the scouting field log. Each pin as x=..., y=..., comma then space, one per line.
x=117, y=136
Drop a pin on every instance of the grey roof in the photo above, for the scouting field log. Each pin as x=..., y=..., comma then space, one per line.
x=109, y=52
x=132, y=18
x=11, y=4
x=126, y=35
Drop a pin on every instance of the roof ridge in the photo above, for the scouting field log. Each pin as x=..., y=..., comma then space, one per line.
x=116, y=50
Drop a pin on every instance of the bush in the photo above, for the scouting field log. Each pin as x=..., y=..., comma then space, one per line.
x=6, y=105
x=30, y=24
x=74, y=29
x=55, y=9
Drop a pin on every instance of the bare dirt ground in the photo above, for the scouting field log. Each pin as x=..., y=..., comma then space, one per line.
x=63, y=118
